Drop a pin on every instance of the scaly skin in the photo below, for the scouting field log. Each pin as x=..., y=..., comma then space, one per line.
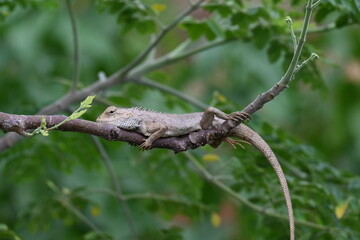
x=156, y=125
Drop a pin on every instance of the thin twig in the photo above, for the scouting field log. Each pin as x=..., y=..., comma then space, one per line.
x=314, y=5
x=289, y=75
x=172, y=91
x=150, y=195
x=293, y=36
x=300, y=66
x=171, y=57
x=76, y=57
x=68, y=205
x=116, y=184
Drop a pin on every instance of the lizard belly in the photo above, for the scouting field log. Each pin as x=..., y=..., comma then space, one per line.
x=181, y=129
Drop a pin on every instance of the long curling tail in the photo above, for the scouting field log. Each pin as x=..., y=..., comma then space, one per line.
x=244, y=132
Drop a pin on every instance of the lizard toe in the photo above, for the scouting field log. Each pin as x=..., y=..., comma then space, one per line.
x=238, y=116
x=145, y=146
x=241, y=116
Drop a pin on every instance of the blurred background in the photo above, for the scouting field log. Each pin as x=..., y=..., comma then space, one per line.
x=319, y=113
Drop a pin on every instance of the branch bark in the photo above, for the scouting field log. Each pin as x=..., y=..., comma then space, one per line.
x=19, y=124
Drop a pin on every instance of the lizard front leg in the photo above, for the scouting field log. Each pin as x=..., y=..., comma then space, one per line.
x=156, y=131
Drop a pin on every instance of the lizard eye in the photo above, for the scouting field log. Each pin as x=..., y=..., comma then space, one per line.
x=112, y=112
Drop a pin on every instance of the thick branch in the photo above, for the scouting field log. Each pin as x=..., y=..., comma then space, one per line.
x=23, y=123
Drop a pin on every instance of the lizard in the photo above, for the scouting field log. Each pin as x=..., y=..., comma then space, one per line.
x=156, y=125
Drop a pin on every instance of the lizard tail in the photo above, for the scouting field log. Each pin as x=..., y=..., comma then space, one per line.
x=244, y=132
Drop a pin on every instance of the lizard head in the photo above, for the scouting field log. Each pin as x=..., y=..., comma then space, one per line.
x=113, y=113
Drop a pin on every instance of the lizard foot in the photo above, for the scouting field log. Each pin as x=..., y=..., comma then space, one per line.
x=145, y=146
x=239, y=116
x=233, y=142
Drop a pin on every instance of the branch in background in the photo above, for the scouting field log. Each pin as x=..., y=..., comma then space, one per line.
x=150, y=83
x=214, y=180
x=117, y=187
x=69, y=206
x=76, y=70
x=156, y=40
x=172, y=57
x=64, y=199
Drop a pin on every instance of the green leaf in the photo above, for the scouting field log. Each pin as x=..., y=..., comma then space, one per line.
x=223, y=9
x=242, y=19
x=261, y=36
x=43, y=129
x=196, y=29
x=76, y=115
x=259, y=12
x=343, y=20
x=87, y=102
x=146, y=26
x=274, y=51
x=323, y=12
x=133, y=15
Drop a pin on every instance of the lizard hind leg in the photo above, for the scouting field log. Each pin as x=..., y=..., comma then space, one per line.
x=209, y=114
x=158, y=133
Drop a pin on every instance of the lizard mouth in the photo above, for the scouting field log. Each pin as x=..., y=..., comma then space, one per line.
x=102, y=120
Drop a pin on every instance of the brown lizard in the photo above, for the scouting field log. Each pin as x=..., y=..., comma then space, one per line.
x=156, y=125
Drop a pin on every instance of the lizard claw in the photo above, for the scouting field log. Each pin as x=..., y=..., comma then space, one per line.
x=234, y=142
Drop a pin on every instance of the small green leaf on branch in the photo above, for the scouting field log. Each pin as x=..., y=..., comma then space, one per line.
x=87, y=102
x=76, y=114
x=43, y=129
x=84, y=105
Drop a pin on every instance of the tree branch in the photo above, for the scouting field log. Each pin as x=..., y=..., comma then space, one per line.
x=76, y=70
x=23, y=123
x=211, y=178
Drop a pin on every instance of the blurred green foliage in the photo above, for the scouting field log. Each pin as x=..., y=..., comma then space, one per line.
x=57, y=187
